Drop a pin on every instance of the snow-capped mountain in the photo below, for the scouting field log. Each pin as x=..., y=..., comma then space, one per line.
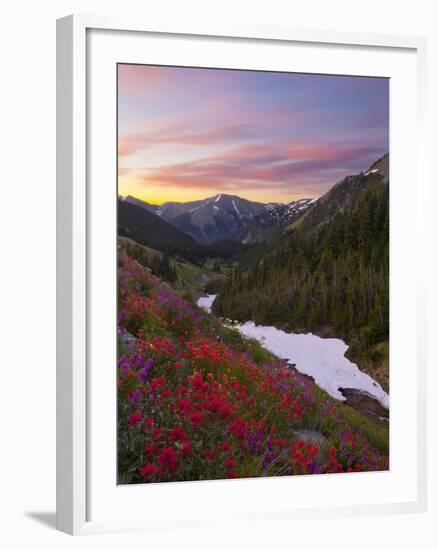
x=225, y=217
x=212, y=219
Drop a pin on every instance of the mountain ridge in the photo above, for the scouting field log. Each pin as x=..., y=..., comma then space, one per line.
x=224, y=216
x=230, y=217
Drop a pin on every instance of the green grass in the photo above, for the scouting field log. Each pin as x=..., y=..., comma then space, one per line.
x=124, y=241
x=382, y=348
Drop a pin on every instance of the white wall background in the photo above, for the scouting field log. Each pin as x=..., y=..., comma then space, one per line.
x=27, y=299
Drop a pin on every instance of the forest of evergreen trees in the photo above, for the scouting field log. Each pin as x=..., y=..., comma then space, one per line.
x=331, y=274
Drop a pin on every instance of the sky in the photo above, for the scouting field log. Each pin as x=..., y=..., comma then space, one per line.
x=190, y=133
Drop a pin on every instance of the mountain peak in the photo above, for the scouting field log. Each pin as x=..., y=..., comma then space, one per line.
x=381, y=166
x=214, y=218
x=225, y=196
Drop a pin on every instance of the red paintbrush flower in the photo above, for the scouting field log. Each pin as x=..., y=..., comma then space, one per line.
x=211, y=455
x=196, y=418
x=225, y=446
x=156, y=434
x=168, y=459
x=238, y=428
x=134, y=418
x=178, y=434
x=157, y=383
x=186, y=448
x=150, y=449
x=147, y=471
x=184, y=405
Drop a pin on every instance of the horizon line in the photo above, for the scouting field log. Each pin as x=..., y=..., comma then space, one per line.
x=156, y=203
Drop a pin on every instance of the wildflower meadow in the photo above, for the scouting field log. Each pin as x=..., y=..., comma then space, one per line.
x=196, y=401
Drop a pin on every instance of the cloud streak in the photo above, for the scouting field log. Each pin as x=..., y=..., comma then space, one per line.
x=181, y=134
x=251, y=167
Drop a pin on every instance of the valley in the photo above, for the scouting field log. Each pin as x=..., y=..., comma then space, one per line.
x=314, y=265
x=277, y=333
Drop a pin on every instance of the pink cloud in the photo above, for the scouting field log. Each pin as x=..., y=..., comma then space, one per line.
x=253, y=165
x=338, y=151
x=183, y=134
x=127, y=146
x=204, y=124
x=138, y=79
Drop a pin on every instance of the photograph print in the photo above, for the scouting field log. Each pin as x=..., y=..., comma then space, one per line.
x=253, y=274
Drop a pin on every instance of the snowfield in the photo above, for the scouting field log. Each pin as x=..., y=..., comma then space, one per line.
x=321, y=358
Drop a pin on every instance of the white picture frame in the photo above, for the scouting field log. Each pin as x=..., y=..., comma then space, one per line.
x=74, y=218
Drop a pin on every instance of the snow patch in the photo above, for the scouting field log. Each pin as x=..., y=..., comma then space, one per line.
x=273, y=205
x=321, y=358
x=236, y=209
x=218, y=198
x=205, y=302
x=215, y=207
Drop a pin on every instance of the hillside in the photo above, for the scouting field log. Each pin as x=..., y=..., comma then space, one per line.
x=146, y=228
x=271, y=223
x=197, y=401
x=186, y=278
x=330, y=274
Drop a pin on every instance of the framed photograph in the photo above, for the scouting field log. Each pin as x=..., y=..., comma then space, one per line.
x=241, y=334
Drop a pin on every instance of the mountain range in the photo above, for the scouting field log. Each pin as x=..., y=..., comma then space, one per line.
x=224, y=217
x=229, y=226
